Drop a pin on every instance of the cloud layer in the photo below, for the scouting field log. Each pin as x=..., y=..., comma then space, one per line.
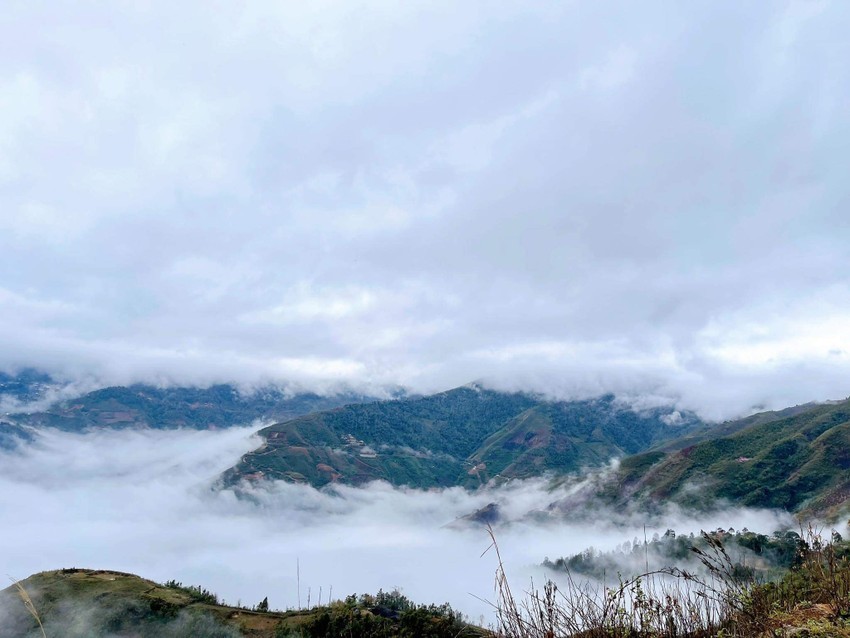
x=140, y=501
x=648, y=198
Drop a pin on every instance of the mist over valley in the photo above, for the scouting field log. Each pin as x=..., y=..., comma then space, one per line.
x=147, y=502
x=425, y=320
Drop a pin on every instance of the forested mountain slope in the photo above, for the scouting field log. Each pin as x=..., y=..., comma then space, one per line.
x=201, y=408
x=465, y=436
x=798, y=462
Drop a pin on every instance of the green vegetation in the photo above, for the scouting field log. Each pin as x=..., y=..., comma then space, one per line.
x=565, y=436
x=197, y=593
x=797, y=462
x=752, y=555
x=728, y=428
x=217, y=406
x=465, y=436
x=386, y=615
x=811, y=598
x=79, y=603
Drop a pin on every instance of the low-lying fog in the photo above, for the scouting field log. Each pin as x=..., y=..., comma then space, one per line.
x=141, y=502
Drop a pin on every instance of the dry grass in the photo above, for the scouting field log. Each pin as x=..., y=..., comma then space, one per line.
x=25, y=597
x=813, y=600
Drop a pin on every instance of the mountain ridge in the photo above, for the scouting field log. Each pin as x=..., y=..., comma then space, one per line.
x=796, y=459
x=465, y=436
x=212, y=407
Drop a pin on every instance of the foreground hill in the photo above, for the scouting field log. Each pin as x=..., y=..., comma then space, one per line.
x=465, y=436
x=81, y=603
x=202, y=408
x=797, y=460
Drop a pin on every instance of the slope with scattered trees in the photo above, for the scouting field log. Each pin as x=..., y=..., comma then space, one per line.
x=465, y=436
x=798, y=462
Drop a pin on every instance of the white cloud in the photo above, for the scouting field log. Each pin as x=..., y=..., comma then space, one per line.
x=140, y=501
x=617, y=69
x=309, y=305
x=428, y=195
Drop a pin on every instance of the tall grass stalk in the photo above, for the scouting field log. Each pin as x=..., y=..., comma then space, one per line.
x=25, y=597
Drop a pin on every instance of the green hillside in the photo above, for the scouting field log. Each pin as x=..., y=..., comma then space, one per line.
x=566, y=436
x=82, y=603
x=201, y=408
x=728, y=428
x=797, y=462
x=465, y=436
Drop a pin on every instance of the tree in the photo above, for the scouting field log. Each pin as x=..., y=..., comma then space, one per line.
x=264, y=604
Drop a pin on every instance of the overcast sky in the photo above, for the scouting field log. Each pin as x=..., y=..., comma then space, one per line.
x=649, y=198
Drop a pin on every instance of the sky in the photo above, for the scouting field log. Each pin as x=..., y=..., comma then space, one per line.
x=570, y=197
x=141, y=502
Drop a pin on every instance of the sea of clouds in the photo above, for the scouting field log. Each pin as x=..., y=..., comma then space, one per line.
x=146, y=502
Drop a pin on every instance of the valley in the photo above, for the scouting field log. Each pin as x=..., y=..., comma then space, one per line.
x=795, y=459
x=362, y=495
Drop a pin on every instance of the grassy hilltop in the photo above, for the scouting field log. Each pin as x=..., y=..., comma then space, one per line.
x=82, y=603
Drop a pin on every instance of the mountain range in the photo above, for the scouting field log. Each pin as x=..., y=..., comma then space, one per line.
x=797, y=459
x=466, y=436
x=139, y=405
